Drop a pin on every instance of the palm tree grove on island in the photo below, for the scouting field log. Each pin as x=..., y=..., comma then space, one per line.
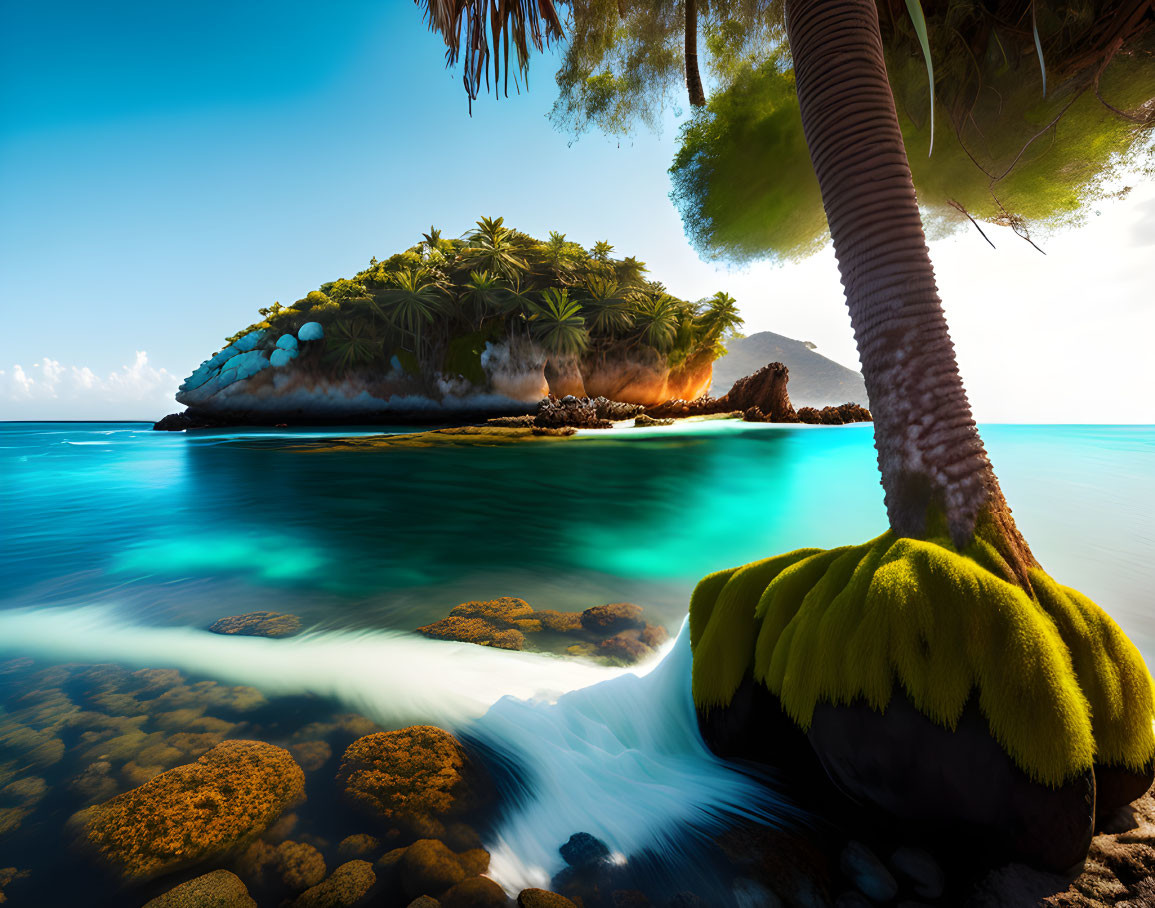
x=501, y=571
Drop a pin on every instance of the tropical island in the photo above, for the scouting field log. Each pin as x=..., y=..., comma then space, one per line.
x=485, y=325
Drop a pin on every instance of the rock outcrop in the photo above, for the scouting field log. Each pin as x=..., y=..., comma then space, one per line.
x=193, y=812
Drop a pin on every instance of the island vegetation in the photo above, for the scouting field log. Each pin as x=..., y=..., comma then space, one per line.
x=433, y=309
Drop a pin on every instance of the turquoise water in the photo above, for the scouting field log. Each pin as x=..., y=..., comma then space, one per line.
x=142, y=538
x=179, y=528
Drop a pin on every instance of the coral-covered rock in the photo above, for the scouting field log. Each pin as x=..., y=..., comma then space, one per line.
x=347, y=886
x=298, y=865
x=474, y=630
x=193, y=812
x=428, y=867
x=475, y=892
x=609, y=619
x=542, y=898
x=312, y=755
x=359, y=846
x=411, y=775
x=258, y=624
x=219, y=889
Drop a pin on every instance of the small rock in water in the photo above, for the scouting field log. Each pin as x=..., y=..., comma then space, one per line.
x=617, y=616
x=345, y=888
x=584, y=850
x=428, y=867
x=863, y=868
x=542, y=898
x=219, y=889
x=258, y=624
x=921, y=869
x=358, y=846
x=476, y=892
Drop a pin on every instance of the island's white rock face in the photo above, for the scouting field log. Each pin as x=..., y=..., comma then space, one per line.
x=257, y=379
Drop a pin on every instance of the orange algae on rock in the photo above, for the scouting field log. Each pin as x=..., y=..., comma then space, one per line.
x=192, y=812
x=412, y=775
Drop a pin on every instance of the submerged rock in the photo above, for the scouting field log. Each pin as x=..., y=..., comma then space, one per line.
x=542, y=898
x=348, y=886
x=617, y=616
x=219, y=889
x=193, y=812
x=428, y=867
x=584, y=850
x=258, y=624
x=412, y=775
x=474, y=630
x=475, y=892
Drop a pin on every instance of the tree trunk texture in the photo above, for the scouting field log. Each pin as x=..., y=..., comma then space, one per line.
x=693, y=76
x=929, y=451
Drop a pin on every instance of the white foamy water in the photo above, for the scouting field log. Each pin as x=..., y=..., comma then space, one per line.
x=609, y=751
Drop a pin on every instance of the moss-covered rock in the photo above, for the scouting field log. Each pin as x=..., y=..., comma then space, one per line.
x=428, y=867
x=542, y=898
x=219, y=889
x=258, y=624
x=193, y=812
x=348, y=885
x=902, y=647
x=474, y=630
x=412, y=775
x=475, y=892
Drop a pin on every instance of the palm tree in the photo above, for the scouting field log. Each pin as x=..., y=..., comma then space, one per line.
x=656, y=322
x=601, y=251
x=630, y=272
x=493, y=248
x=412, y=304
x=606, y=306
x=482, y=295
x=560, y=256
x=721, y=315
x=558, y=325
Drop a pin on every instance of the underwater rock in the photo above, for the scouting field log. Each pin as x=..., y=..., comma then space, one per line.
x=920, y=869
x=424, y=901
x=584, y=850
x=428, y=867
x=617, y=616
x=475, y=892
x=505, y=611
x=193, y=812
x=862, y=867
x=559, y=622
x=358, y=846
x=474, y=630
x=643, y=421
x=298, y=864
x=347, y=886
x=907, y=766
x=626, y=646
x=542, y=898
x=94, y=783
x=219, y=889
x=411, y=775
x=9, y=875
x=311, y=755
x=258, y=624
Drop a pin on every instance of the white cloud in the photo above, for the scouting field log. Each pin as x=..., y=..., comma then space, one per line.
x=48, y=389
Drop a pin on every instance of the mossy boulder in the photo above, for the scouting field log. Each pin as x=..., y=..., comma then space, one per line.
x=348, y=885
x=219, y=889
x=193, y=812
x=542, y=898
x=428, y=867
x=845, y=636
x=475, y=892
x=414, y=776
x=474, y=630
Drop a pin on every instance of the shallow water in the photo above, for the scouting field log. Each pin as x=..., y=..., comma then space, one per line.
x=139, y=539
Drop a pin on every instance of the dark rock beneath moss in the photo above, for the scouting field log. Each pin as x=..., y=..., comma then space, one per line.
x=219, y=889
x=258, y=624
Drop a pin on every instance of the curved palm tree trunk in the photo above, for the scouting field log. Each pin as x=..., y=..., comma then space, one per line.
x=929, y=451
x=693, y=76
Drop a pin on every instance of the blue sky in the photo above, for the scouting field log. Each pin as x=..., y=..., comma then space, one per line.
x=165, y=171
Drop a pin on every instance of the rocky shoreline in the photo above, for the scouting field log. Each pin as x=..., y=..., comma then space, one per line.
x=760, y=397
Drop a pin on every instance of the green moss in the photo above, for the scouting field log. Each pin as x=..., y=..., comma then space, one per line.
x=1060, y=684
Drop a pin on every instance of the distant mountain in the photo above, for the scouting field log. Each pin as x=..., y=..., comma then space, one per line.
x=815, y=381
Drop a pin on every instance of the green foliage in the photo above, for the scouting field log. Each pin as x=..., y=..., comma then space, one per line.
x=558, y=324
x=427, y=301
x=1058, y=681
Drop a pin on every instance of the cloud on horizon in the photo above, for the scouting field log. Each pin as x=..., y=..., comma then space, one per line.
x=49, y=389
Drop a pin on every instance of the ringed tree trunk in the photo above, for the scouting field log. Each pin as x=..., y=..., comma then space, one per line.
x=929, y=451
x=693, y=75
